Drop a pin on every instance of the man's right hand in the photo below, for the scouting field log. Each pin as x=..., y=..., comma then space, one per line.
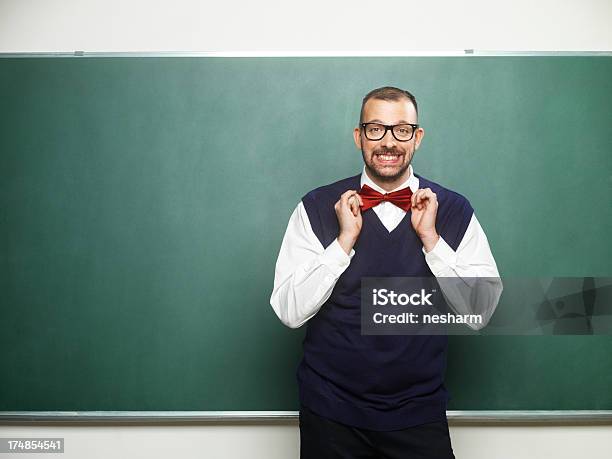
x=349, y=219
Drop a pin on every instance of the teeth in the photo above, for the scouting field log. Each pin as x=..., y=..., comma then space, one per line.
x=388, y=157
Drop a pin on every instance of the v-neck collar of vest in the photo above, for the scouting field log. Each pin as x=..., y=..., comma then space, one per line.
x=381, y=228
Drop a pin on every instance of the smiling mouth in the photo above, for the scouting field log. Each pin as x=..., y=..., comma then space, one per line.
x=388, y=158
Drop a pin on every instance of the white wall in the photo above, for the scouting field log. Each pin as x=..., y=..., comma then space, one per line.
x=282, y=441
x=316, y=25
x=200, y=25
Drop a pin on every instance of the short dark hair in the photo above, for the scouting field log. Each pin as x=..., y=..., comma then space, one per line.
x=388, y=93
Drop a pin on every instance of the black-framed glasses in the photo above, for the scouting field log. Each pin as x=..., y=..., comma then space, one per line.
x=402, y=132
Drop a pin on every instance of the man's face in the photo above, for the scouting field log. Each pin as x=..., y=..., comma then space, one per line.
x=388, y=159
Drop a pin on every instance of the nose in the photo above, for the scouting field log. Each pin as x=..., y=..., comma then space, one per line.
x=388, y=140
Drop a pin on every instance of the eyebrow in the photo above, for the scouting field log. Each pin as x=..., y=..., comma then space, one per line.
x=381, y=122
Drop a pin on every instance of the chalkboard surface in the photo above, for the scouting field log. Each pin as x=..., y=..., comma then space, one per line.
x=143, y=202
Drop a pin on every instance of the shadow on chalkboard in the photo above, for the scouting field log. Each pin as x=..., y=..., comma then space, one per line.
x=573, y=314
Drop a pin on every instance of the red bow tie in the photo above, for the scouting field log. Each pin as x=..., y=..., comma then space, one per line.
x=371, y=198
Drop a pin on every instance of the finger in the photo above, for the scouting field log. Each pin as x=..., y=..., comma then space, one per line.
x=344, y=199
x=425, y=197
x=346, y=195
x=427, y=192
x=415, y=198
x=429, y=196
x=353, y=204
x=422, y=199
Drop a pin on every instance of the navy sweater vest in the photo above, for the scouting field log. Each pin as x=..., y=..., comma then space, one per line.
x=375, y=382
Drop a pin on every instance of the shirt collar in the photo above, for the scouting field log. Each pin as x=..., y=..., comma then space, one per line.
x=412, y=182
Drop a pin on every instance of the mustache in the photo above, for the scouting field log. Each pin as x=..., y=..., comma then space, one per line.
x=387, y=151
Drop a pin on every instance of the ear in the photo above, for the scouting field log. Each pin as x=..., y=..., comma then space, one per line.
x=357, y=137
x=418, y=136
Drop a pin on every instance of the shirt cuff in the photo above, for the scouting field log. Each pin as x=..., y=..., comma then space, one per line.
x=335, y=258
x=440, y=257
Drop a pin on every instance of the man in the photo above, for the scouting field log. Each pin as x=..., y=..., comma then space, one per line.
x=374, y=396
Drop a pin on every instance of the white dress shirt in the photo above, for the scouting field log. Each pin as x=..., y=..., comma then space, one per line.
x=306, y=272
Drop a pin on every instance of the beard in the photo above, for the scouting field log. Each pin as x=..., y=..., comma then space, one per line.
x=386, y=174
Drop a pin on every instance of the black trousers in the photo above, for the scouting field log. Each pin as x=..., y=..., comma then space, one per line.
x=322, y=438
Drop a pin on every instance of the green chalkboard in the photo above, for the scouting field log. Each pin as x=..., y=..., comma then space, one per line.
x=143, y=202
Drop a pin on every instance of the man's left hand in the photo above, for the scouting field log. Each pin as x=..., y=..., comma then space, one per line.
x=423, y=218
